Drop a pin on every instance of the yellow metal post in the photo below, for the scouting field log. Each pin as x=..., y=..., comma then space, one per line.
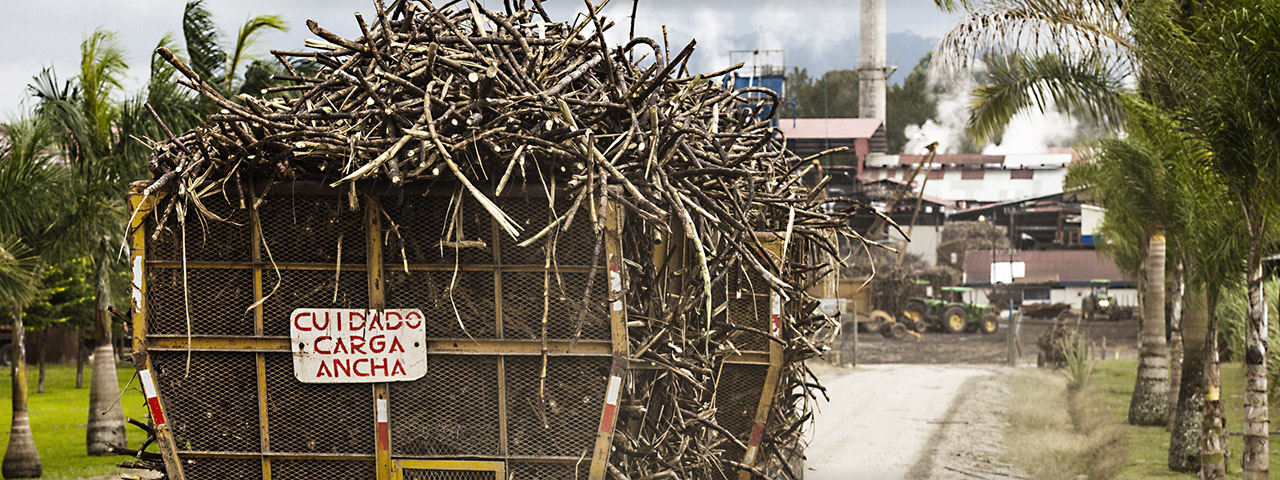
x=141, y=207
x=381, y=407
x=773, y=247
x=621, y=346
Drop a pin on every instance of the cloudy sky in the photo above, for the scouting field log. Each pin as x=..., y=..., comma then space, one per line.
x=816, y=34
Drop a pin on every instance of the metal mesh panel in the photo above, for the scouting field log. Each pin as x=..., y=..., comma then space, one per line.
x=565, y=424
x=452, y=411
x=430, y=474
x=321, y=418
x=438, y=294
x=750, y=311
x=222, y=469
x=421, y=222
x=522, y=294
x=737, y=399
x=306, y=229
x=220, y=299
x=322, y=469
x=549, y=471
x=215, y=408
x=308, y=289
x=207, y=239
x=531, y=215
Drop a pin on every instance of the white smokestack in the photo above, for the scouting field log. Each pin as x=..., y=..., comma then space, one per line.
x=871, y=67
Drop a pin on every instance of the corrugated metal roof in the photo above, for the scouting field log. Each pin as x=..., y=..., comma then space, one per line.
x=829, y=127
x=1066, y=266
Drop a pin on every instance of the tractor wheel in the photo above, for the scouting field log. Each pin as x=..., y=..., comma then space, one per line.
x=886, y=330
x=954, y=319
x=879, y=318
x=989, y=324
x=899, y=330
x=914, y=316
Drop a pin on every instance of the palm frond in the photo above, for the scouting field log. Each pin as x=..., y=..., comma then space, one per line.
x=1080, y=86
x=204, y=47
x=245, y=39
x=102, y=66
x=952, y=5
x=1035, y=27
x=18, y=280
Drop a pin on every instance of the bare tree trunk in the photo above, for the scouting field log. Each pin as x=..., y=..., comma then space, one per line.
x=1213, y=446
x=106, y=417
x=80, y=357
x=21, y=459
x=42, y=342
x=1188, y=419
x=1150, y=402
x=1175, y=340
x=1254, y=458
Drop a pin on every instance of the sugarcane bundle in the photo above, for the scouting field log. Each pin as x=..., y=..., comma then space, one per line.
x=483, y=100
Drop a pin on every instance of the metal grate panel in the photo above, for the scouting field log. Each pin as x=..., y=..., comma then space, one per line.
x=522, y=308
x=324, y=469
x=444, y=299
x=737, y=399
x=431, y=474
x=220, y=300
x=222, y=469
x=421, y=222
x=453, y=411
x=308, y=289
x=215, y=407
x=565, y=424
x=305, y=229
x=549, y=471
x=316, y=418
x=206, y=239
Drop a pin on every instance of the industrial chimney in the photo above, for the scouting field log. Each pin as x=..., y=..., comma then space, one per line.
x=872, y=71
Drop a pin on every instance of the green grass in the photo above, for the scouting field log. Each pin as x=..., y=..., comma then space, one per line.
x=58, y=419
x=1149, y=446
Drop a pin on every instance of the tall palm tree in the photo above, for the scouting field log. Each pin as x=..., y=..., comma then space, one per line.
x=1225, y=62
x=29, y=186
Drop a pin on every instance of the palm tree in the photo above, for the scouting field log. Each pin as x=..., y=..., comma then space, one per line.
x=29, y=190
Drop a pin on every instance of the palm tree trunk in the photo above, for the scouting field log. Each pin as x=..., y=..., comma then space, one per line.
x=42, y=343
x=1188, y=420
x=1213, y=446
x=1150, y=402
x=21, y=459
x=1254, y=458
x=106, y=418
x=80, y=356
x=1175, y=340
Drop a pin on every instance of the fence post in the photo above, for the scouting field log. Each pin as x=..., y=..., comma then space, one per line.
x=1013, y=354
x=853, y=350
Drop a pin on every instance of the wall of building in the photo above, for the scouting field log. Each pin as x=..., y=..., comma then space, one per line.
x=924, y=242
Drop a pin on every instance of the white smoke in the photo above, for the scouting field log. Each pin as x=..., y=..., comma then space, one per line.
x=1029, y=132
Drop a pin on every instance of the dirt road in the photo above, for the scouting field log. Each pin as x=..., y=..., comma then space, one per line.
x=908, y=421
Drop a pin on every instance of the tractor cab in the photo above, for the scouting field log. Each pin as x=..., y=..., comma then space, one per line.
x=1100, y=303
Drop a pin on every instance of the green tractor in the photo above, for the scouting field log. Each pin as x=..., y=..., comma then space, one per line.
x=952, y=313
x=1100, y=303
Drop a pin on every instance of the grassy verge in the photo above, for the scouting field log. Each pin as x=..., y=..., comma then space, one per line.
x=1149, y=446
x=1057, y=433
x=59, y=416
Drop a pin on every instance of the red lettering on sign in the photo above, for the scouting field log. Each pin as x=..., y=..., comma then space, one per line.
x=355, y=367
x=377, y=343
x=299, y=325
x=357, y=344
x=324, y=371
x=339, y=346
x=317, y=346
x=351, y=321
x=397, y=369
x=398, y=321
x=344, y=365
x=375, y=322
x=315, y=322
x=413, y=315
x=395, y=345
x=374, y=369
